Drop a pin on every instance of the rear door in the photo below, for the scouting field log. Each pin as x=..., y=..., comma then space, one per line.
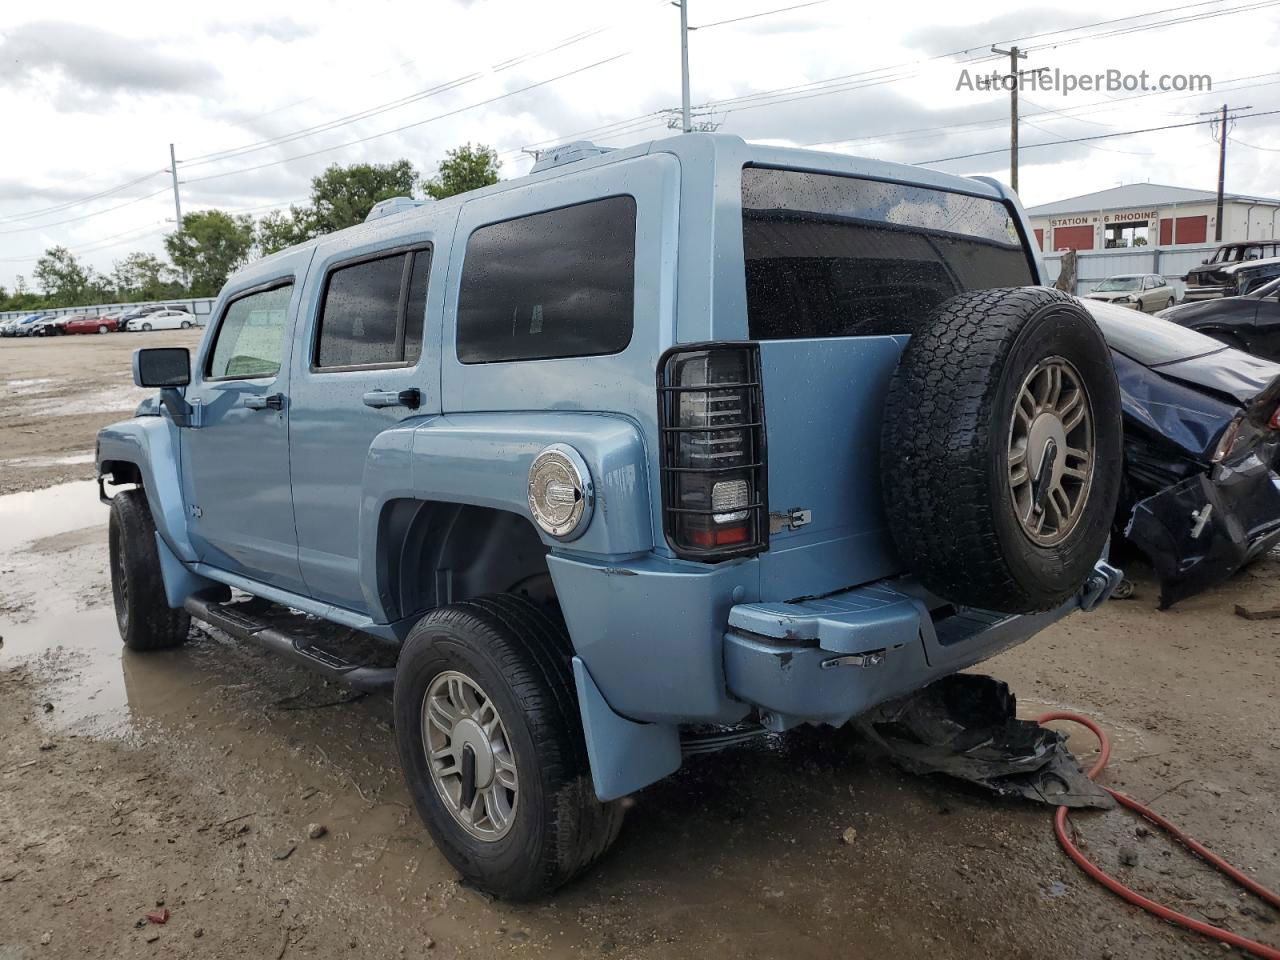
x=368, y=359
x=839, y=270
x=236, y=462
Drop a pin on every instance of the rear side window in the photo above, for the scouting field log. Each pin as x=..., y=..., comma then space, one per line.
x=251, y=336
x=830, y=256
x=373, y=312
x=554, y=284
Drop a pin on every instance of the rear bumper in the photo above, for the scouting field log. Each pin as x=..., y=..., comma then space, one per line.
x=830, y=659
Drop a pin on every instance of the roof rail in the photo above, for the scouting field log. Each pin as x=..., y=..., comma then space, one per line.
x=567, y=153
x=392, y=206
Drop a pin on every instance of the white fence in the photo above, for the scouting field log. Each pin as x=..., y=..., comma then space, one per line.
x=1094, y=266
x=200, y=306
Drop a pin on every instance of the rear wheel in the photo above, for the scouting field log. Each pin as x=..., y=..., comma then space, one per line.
x=143, y=615
x=491, y=745
x=1001, y=449
x=102, y=328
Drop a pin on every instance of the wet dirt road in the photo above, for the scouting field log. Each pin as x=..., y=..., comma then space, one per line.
x=191, y=777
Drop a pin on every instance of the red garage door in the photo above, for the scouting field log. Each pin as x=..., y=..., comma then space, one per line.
x=1190, y=230
x=1073, y=238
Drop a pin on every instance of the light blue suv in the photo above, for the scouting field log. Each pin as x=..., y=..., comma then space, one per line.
x=634, y=457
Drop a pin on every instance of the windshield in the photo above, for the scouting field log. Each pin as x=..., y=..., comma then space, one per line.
x=1266, y=290
x=1118, y=284
x=1149, y=340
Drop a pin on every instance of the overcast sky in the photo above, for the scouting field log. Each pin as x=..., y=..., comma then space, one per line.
x=92, y=94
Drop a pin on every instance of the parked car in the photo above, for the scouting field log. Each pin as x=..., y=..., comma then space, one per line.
x=1232, y=265
x=26, y=325
x=1201, y=494
x=162, y=320
x=1146, y=292
x=51, y=326
x=133, y=313
x=1250, y=323
x=90, y=323
x=582, y=513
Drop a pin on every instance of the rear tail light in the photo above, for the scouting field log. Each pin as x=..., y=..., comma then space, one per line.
x=711, y=414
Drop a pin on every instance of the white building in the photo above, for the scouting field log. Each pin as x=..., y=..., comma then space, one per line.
x=1151, y=215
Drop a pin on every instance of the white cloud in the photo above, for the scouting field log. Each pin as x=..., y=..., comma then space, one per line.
x=95, y=99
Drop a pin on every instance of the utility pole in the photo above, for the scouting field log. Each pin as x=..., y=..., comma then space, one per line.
x=177, y=204
x=1014, y=55
x=687, y=126
x=1221, y=123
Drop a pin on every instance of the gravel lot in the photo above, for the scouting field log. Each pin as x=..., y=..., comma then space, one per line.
x=192, y=777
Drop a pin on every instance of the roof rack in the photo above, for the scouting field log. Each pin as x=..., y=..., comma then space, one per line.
x=567, y=153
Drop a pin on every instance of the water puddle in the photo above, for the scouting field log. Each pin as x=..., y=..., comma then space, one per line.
x=120, y=398
x=36, y=514
x=66, y=460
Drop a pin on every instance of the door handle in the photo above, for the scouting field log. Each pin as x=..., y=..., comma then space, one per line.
x=411, y=398
x=275, y=401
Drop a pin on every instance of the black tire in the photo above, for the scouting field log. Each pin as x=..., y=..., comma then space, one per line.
x=146, y=326
x=145, y=619
x=519, y=655
x=102, y=328
x=186, y=324
x=945, y=449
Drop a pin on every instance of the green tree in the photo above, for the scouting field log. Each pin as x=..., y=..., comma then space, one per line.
x=64, y=280
x=342, y=196
x=144, y=276
x=462, y=169
x=278, y=229
x=209, y=247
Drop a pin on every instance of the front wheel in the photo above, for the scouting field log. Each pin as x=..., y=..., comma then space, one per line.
x=186, y=324
x=146, y=326
x=102, y=328
x=143, y=615
x=491, y=745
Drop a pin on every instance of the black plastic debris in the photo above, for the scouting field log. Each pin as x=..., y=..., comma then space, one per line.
x=965, y=726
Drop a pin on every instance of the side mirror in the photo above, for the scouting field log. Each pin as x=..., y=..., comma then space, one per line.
x=162, y=367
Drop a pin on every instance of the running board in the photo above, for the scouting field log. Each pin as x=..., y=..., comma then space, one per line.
x=293, y=634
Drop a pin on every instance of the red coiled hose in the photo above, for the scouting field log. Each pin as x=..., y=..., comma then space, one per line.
x=1116, y=887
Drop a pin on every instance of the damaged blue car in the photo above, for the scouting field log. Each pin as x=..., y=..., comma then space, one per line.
x=1201, y=493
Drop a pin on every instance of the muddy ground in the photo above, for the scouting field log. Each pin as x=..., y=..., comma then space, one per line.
x=191, y=777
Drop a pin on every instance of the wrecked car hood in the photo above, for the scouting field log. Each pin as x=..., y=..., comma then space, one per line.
x=1239, y=375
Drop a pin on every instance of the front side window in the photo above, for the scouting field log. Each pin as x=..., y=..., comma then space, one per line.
x=250, y=339
x=373, y=312
x=833, y=256
x=555, y=284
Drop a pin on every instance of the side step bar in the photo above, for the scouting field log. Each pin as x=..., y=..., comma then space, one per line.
x=298, y=646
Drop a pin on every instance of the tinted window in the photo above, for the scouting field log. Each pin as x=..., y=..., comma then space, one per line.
x=251, y=337
x=830, y=256
x=360, y=318
x=554, y=284
x=416, y=307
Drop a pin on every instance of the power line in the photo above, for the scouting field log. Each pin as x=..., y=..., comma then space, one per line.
x=753, y=16
x=407, y=126
x=92, y=246
x=87, y=216
x=1254, y=146
x=1100, y=136
x=68, y=204
x=378, y=109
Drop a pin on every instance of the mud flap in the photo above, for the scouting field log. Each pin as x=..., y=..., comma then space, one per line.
x=624, y=755
x=1199, y=532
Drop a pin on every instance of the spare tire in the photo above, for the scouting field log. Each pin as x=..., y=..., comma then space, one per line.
x=1001, y=449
